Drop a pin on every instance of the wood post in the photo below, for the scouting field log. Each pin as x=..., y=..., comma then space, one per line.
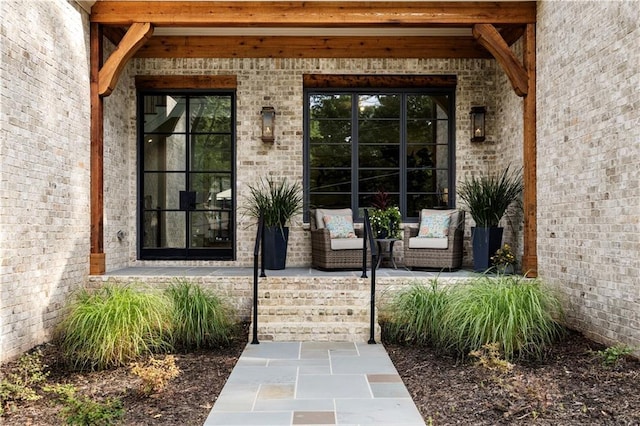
x=530, y=257
x=97, y=261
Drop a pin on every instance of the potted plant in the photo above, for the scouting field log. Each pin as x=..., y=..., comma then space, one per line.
x=277, y=202
x=488, y=198
x=504, y=260
x=385, y=219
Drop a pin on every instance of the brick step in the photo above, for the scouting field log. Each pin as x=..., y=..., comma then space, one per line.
x=307, y=314
x=317, y=331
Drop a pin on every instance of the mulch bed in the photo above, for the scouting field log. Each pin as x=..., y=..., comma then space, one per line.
x=570, y=387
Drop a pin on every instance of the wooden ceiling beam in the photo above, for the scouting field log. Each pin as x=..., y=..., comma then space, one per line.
x=135, y=37
x=312, y=14
x=311, y=47
x=490, y=39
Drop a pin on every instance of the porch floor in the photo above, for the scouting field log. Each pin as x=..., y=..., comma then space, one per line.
x=214, y=271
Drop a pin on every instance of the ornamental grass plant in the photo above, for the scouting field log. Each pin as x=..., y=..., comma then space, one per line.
x=520, y=315
x=201, y=319
x=276, y=201
x=415, y=315
x=114, y=326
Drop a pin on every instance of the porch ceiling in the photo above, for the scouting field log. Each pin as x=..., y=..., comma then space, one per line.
x=389, y=29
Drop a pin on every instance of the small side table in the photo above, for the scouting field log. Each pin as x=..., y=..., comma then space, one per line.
x=385, y=250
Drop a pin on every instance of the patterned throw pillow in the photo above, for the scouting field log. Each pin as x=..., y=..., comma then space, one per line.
x=434, y=226
x=339, y=226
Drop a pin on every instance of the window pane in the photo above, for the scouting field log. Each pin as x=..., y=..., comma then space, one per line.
x=420, y=106
x=210, y=114
x=164, y=152
x=330, y=155
x=206, y=186
x=162, y=190
x=375, y=180
x=379, y=106
x=365, y=201
x=379, y=155
x=379, y=131
x=330, y=201
x=164, y=229
x=415, y=203
x=164, y=114
x=421, y=180
x=420, y=156
x=330, y=180
x=421, y=131
x=211, y=152
x=330, y=106
x=330, y=132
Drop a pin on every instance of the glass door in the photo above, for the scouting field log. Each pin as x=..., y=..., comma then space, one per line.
x=186, y=160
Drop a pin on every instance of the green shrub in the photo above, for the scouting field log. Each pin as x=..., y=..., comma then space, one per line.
x=83, y=411
x=22, y=381
x=155, y=373
x=114, y=326
x=415, y=314
x=517, y=313
x=201, y=319
x=613, y=355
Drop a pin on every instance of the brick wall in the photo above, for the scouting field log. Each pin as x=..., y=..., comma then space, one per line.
x=278, y=82
x=44, y=166
x=589, y=161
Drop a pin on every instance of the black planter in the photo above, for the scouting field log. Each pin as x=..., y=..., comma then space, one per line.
x=485, y=243
x=275, y=247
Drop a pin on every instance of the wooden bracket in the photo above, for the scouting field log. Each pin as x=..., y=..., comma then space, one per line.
x=134, y=39
x=489, y=38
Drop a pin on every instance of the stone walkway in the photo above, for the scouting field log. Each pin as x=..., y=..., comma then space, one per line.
x=314, y=383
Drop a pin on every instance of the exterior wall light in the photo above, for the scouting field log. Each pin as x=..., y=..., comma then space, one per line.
x=477, y=124
x=268, y=114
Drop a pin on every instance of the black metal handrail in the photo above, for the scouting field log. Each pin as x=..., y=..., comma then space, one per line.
x=368, y=238
x=256, y=253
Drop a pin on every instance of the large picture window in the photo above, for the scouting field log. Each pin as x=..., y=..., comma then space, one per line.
x=358, y=142
x=186, y=160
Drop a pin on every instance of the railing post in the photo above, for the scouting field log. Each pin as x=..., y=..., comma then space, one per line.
x=368, y=237
x=256, y=253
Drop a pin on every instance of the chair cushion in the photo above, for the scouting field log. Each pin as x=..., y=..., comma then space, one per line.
x=346, y=243
x=320, y=213
x=339, y=226
x=429, y=243
x=434, y=225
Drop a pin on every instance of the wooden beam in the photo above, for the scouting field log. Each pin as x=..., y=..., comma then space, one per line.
x=530, y=257
x=312, y=13
x=311, y=47
x=97, y=263
x=490, y=39
x=186, y=82
x=135, y=37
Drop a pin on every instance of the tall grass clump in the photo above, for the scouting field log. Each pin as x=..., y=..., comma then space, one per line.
x=201, y=319
x=519, y=314
x=415, y=315
x=114, y=326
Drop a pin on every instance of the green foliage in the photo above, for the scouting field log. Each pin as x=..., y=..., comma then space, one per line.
x=612, y=355
x=200, y=319
x=83, y=411
x=490, y=357
x=414, y=315
x=489, y=197
x=155, y=373
x=278, y=202
x=114, y=326
x=518, y=314
x=21, y=383
x=386, y=221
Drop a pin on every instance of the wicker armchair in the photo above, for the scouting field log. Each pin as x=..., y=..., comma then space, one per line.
x=435, y=253
x=334, y=253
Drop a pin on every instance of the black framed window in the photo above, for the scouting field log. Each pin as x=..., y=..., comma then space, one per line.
x=360, y=141
x=186, y=158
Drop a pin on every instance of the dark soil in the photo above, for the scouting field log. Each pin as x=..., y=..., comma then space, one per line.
x=570, y=387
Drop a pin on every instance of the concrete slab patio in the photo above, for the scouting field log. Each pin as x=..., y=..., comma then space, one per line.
x=314, y=383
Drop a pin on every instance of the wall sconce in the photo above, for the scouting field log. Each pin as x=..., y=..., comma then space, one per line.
x=477, y=124
x=268, y=121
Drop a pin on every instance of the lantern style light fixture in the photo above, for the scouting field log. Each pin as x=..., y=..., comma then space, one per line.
x=477, y=123
x=268, y=114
